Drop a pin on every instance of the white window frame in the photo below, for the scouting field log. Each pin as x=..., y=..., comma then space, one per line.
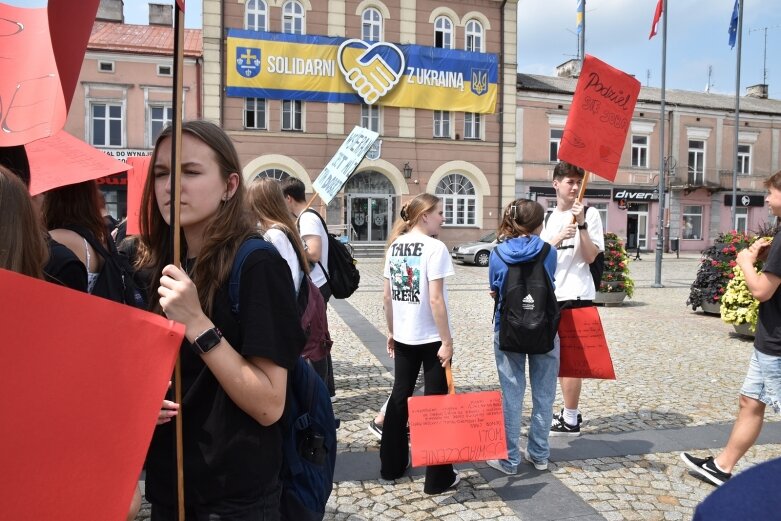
x=744, y=159
x=107, y=120
x=741, y=219
x=640, y=151
x=371, y=117
x=259, y=11
x=602, y=209
x=107, y=70
x=444, y=25
x=457, y=206
x=372, y=25
x=291, y=109
x=688, y=211
x=696, y=171
x=442, y=124
x=473, y=32
x=272, y=173
x=259, y=125
x=293, y=18
x=165, y=70
x=168, y=110
x=473, y=125
x=554, y=141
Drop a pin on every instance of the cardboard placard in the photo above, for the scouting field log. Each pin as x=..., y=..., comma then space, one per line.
x=136, y=177
x=599, y=118
x=454, y=428
x=584, y=351
x=343, y=164
x=82, y=386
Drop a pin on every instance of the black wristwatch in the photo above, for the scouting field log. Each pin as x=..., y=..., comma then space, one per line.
x=207, y=341
x=583, y=226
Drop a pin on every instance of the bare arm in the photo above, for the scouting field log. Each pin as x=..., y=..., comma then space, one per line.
x=587, y=246
x=314, y=247
x=436, y=300
x=257, y=385
x=387, y=305
x=761, y=285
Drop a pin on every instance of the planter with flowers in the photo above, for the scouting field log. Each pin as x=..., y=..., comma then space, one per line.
x=715, y=271
x=616, y=283
x=738, y=305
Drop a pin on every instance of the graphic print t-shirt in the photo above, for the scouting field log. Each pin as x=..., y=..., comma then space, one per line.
x=411, y=262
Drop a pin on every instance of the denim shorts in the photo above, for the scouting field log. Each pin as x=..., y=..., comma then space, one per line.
x=763, y=381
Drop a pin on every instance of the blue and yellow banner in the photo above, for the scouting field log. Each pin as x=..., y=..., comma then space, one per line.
x=340, y=70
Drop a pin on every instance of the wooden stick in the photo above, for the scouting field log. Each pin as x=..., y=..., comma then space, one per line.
x=176, y=253
x=582, y=192
x=451, y=388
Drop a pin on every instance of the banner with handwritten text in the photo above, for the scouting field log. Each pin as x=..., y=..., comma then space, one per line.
x=454, y=428
x=599, y=118
x=584, y=351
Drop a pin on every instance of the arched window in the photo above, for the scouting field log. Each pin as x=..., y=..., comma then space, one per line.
x=474, y=36
x=443, y=32
x=293, y=18
x=371, y=25
x=273, y=173
x=256, y=15
x=458, y=200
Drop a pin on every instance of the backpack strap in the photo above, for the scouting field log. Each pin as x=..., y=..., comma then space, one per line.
x=99, y=247
x=234, y=283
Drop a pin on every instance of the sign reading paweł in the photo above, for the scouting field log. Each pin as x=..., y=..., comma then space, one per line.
x=345, y=161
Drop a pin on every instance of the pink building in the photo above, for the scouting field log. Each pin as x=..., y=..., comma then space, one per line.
x=124, y=95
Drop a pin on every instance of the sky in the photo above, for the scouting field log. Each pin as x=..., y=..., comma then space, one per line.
x=617, y=33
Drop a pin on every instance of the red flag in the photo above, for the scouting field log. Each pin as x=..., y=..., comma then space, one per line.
x=657, y=15
x=180, y=3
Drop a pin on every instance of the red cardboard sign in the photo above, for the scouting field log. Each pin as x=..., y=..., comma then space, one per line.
x=62, y=160
x=81, y=388
x=599, y=118
x=584, y=351
x=32, y=105
x=453, y=428
x=136, y=177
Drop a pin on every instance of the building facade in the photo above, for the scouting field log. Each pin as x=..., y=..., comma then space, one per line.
x=698, y=159
x=287, y=127
x=124, y=97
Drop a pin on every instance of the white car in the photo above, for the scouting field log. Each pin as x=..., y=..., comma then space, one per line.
x=476, y=252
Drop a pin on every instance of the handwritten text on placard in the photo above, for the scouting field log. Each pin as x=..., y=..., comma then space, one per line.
x=584, y=351
x=344, y=162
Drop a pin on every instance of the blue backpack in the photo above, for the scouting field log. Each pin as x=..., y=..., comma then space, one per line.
x=309, y=426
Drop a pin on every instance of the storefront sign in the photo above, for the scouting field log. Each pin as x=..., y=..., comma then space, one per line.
x=745, y=200
x=338, y=70
x=123, y=153
x=635, y=194
x=549, y=191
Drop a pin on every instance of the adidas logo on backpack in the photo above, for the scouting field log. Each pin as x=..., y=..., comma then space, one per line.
x=528, y=302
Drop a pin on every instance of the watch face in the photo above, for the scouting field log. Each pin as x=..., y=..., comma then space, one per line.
x=207, y=340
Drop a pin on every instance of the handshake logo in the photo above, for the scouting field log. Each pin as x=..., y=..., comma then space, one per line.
x=373, y=72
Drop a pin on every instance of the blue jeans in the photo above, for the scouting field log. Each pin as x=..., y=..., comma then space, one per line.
x=543, y=372
x=763, y=380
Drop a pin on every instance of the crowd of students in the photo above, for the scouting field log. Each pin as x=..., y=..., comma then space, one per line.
x=235, y=365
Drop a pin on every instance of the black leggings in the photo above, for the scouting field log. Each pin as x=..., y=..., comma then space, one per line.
x=394, y=448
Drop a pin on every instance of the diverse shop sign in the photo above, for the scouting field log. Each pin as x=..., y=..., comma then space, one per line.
x=745, y=200
x=635, y=194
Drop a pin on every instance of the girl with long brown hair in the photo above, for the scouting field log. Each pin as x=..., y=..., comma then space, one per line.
x=22, y=245
x=415, y=302
x=234, y=367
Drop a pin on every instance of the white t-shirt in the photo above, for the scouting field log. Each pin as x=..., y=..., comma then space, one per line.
x=310, y=224
x=286, y=250
x=411, y=262
x=573, y=278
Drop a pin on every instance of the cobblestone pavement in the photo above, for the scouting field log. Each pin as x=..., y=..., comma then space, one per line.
x=676, y=369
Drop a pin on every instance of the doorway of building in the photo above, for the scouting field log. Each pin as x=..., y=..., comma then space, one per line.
x=637, y=226
x=369, y=216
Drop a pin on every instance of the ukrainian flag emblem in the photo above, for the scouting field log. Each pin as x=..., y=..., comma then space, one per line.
x=248, y=61
x=479, y=81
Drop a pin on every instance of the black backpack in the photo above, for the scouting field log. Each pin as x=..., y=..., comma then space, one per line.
x=529, y=314
x=598, y=266
x=342, y=275
x=115, y=280
x=309, y=426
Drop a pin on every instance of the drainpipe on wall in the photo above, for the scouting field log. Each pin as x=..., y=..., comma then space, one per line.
x=500, y=108
x=222, y=64
x=199, y=87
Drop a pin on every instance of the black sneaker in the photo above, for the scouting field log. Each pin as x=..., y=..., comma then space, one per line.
x=556, y=418
x=705, y=468
x=375, y=429
x=562, y=428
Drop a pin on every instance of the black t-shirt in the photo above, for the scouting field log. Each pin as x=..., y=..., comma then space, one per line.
x=767, y=338
x=230, y=460
x=64, y=267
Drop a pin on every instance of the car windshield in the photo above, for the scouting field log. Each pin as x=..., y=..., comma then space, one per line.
x=491, y=237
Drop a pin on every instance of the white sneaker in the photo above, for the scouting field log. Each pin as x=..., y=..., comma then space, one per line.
x=538, y=466
x=496, y=464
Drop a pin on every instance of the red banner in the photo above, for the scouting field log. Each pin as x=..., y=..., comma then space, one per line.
x=81, y=391
x=599, y=118
x=454, y=428
x=584, y=351
x=136, y=178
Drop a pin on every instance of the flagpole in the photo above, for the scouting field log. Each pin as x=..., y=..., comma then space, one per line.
x=582, y=40
x=662, y=166
x=176, y=256
x=737, y=117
